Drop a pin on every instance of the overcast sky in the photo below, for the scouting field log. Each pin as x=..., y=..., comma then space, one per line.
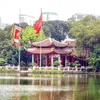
x=9, y=9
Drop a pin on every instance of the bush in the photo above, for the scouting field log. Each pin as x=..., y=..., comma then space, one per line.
x=56, y=63
x=68, y=63
x=2, y=61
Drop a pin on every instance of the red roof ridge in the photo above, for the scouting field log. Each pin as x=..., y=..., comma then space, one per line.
x=49, y=42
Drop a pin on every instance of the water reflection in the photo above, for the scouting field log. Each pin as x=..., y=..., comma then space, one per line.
x=49, y=87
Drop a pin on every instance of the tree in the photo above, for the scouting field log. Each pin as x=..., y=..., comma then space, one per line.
x=56, y=29
x=2, y=61
x=28, y=36
x=87, y=34
x=86, y=31
x=94, y=59
x=72, y=19
x=23, y=24
x=26, y=58
x=11, y=55
x=3, y=43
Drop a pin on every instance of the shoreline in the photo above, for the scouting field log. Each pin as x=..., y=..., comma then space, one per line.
x=28, y=72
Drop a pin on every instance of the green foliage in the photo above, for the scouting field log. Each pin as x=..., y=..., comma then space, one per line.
x=3, y=35
x=26, y=58
x=56, y=63
x=86, y=32
x=29, y=36
x=7, y=29
x=56, y=29
x=24, y=97
x=68, y=63
x=23, y=24
x=76, y=63
x=9, y=52
x=72, y=19
x=48, y=71
x=73, y=64
x=11, y=55
x=4, y=43
x=94, y=59
x=2, y=61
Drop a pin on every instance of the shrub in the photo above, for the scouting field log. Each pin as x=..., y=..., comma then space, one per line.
x=57, y=63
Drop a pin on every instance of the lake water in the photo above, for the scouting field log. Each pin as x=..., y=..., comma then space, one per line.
x=49, y=87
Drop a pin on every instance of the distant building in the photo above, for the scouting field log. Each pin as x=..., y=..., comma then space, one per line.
x=2, y=25
x=0, y=20
x=50, y=16
x=80, y=16
x=26, y=18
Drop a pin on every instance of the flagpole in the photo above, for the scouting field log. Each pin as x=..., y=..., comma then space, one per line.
x=40, y=48
x=40, y=44
x=19, y=59
x=19, y=43
x=40, y=52
x=38, y=27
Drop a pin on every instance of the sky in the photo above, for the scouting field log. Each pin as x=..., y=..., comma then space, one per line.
x=10, y=9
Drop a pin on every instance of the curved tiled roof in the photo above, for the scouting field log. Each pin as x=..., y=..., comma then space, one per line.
x=48, y=43
x=49, y=51
x=71, y=42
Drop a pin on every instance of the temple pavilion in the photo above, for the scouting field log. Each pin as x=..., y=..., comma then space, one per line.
x=50, y=50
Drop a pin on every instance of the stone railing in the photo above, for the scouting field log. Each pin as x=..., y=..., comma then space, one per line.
x=46, y=68
x=70, y=69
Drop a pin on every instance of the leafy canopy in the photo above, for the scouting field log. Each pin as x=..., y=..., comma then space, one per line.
x=28, y=36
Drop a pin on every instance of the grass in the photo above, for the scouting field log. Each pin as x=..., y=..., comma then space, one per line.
x=48, y=71
x=7, y=70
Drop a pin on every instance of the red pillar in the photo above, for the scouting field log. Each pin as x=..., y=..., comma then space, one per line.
x=38, y=60
x=62, y=58
x=51, y=60
x=46, y=60
x=73, y=60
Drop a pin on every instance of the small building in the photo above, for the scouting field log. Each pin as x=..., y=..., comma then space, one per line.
x=50, y=50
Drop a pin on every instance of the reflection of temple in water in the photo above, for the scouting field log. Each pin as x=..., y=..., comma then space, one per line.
x=43, y=87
